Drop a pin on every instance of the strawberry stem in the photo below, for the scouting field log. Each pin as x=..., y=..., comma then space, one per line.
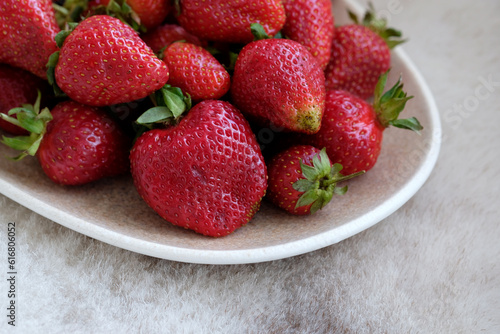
x=390, y=104
x=30, y=118
x=379, y=25
x=320, y=182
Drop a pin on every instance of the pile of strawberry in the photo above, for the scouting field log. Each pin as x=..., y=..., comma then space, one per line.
x=174, y=92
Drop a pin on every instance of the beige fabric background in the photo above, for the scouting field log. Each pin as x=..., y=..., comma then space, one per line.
x=431, y=267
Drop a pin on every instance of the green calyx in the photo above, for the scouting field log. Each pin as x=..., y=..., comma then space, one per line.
x=122, y=11
x=70, y=11
x=54, y=58
x=320, y=182
x=379, y=25
x=259, y=32
x=30, y=118
x=390, y=104
x=170, y=104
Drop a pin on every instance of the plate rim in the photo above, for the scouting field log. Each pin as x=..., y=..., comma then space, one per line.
x=261, y=254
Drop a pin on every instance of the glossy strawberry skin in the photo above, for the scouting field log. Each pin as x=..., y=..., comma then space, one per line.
x=167, y=34
x=151, y=12
x=82, y=144
x=104, y=62
x=28, y=30
x=359, y=57
x=311, y=23
x=350, y=132
x=284, y=170
x=278, y=82
x=18, y=87
x=206, y=174
x=194, y=70
x=229, y=21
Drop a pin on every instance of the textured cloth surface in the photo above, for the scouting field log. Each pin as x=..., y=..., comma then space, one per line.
x=431, y=267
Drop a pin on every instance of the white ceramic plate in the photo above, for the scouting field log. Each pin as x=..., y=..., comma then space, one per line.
x=112, y=211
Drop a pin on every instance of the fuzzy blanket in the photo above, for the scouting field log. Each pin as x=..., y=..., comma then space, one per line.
x=431, y=267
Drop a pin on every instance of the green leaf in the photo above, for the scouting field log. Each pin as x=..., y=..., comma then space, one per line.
x=20, y=143
x=390, y=104
x=11, y=120
x=303, y=185
x=309, y=172
x=155, y=115
x=340, y=190
x=51, y=66
x=325, y=162
x=409, y=124
x=353, y=17
x=307, y=198
x=61, y=37
x=317, y=205
x=258, y=32
x=30, y=123
x=336, y=168
x=174, y=102
x=379, y=88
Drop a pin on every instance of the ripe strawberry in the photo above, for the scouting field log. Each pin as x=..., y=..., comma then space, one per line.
x=75, y=144
x=352, y=129
x=361, y=54
x=152, y=13
x=311, y=23
x=229, y=21
x=277, y=81
x=103, y=62
x=302, y=179
x=194, y=70
x=18, y=87
x=28, y=30
x=206, y=173
x=148, y=13
x=166, y=34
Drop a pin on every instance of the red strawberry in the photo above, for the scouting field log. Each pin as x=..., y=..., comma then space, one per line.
x=18, y=87
x=28, y=29
x=75, y=144
x=352, y=129
x=302, y=179
x=206, y=173
x=361, y=54
x=166, y=34
x=277, y=81
x=229, y=21
x=311, y=23
x=152, y=13
x=103, y=62
x=148, y=13
x=196, y=71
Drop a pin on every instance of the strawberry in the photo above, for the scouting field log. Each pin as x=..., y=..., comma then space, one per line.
x=302, y=179
x=361, y=54
x=206, y=173
x=18, y=87
x=148, y=13
x=103, y=62
x=311, y=23
x=151, y=13
x=28, y=30
x=229, y=21
x=74, y=143
x=278, y=82
x=166, y=34
x=196, y=71
x=352, y=129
